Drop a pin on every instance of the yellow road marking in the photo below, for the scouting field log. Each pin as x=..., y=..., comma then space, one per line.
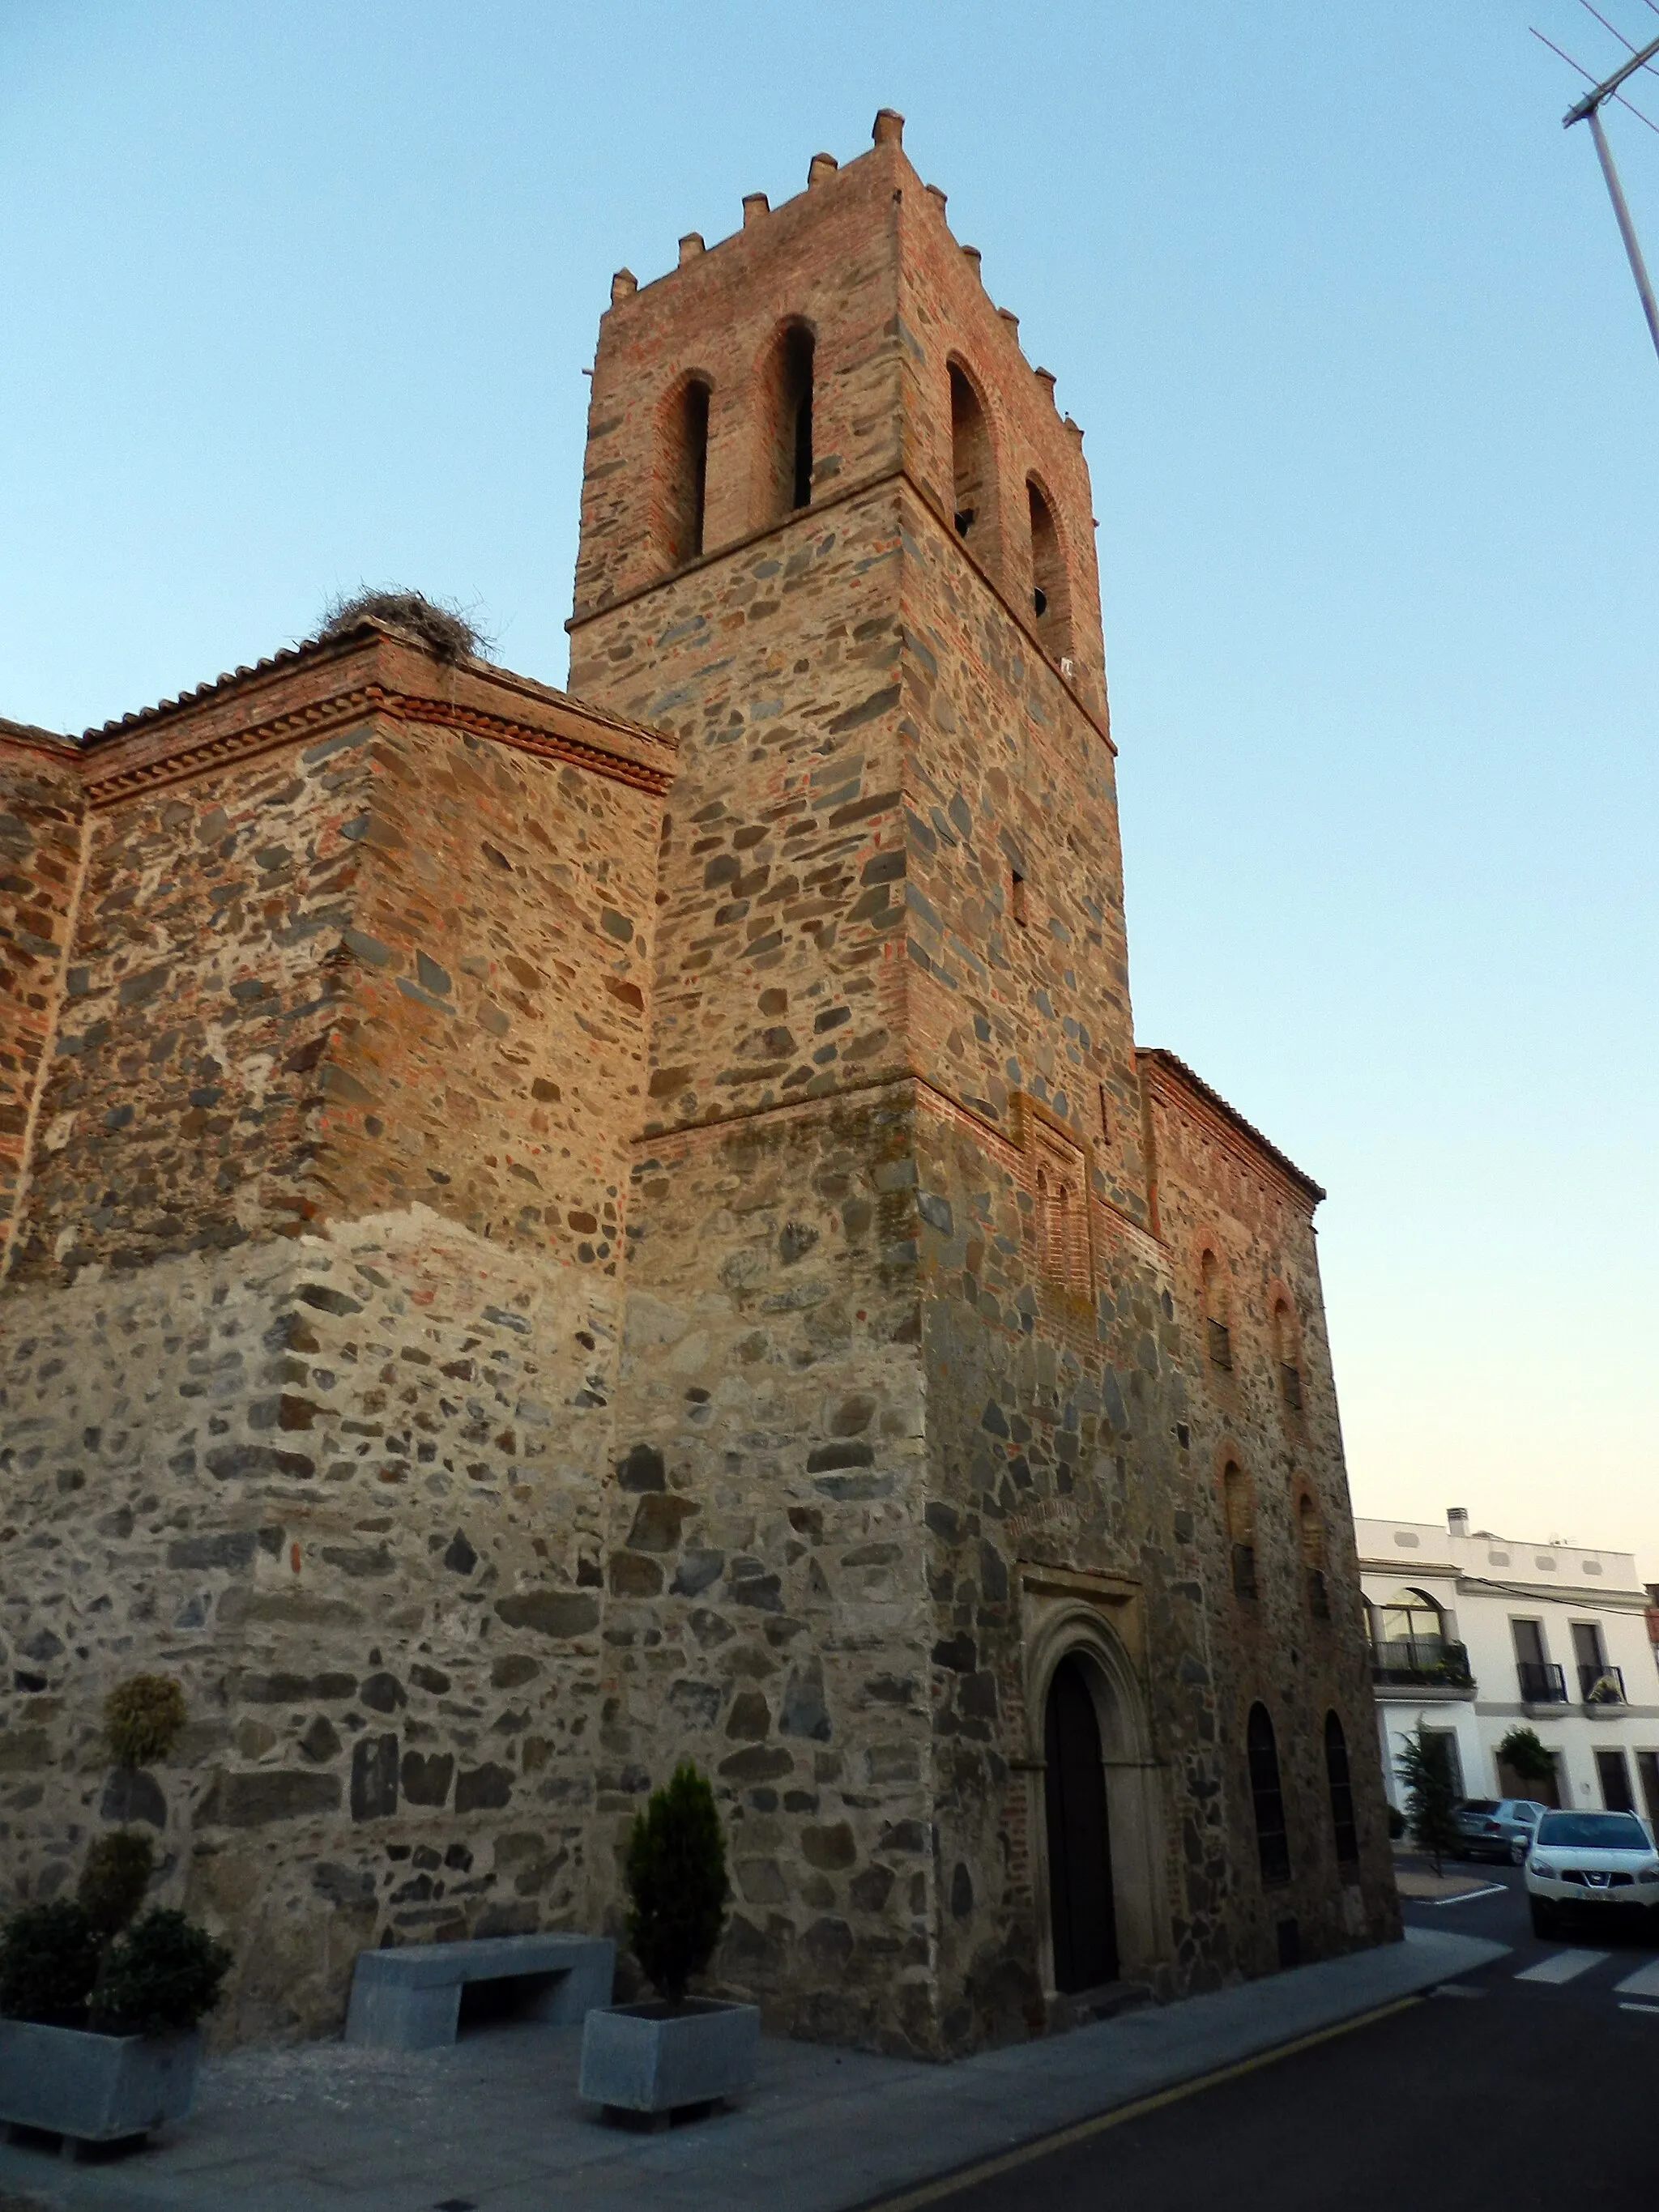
x=970, y=2177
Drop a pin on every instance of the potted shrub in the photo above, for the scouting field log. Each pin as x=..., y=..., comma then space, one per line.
x=100, y=2005
x=675, y=2049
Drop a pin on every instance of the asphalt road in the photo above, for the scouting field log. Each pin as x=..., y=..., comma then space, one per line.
x=1498, y=2094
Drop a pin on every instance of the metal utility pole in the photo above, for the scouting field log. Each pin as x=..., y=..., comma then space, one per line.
x=1589, y=110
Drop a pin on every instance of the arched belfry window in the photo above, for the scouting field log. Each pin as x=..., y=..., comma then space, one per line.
x=1272, y=1842
x=1051, y=597
x=683, y=471
x=973, y=488
x=785, y=400
x=1341, y=1784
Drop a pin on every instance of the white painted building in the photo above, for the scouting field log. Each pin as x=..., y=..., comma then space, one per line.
x=1474, y=1634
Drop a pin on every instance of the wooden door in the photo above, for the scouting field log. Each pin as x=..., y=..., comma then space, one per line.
x=1079, y=1843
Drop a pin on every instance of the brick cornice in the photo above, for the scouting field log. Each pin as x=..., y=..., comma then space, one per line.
x=109, y=787
x=1227, y=1125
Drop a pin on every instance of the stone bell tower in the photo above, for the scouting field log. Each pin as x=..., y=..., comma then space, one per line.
x=896, y=1416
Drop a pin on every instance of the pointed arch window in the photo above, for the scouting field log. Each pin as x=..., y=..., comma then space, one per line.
x=1272, y=1842
x=683, y=472
x=1341, y=1784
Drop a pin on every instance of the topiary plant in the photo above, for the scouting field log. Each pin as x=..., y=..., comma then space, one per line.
x=143, y=1718
x=161, y=1978
x=676, y=1875
x=114, y=1880
x=49, y=1957
x=66, y=1963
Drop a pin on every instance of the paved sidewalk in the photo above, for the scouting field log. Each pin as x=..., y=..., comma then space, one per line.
x=494, y=2123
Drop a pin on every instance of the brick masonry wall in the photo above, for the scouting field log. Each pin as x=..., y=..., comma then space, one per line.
x=1218, y=1192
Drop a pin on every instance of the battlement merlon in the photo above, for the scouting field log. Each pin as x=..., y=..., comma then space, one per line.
x=857, y=286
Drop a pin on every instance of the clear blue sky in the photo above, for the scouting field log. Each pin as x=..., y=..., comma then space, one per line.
x=299, y=295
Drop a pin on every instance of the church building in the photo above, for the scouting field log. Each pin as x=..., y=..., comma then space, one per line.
x=545, y=1233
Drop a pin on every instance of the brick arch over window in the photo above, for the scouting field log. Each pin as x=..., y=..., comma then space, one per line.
x=1051, y=583
x=783, y=422
x=680, y=470
x=1311, y=1540
x=976, y=506
x=1287, y=1349
x=1238, y=1517
x=1215, y=1293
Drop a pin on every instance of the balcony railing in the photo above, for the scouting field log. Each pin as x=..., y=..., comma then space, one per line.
x=1542, y=1684
x=1420, y=1662
x=1601, y=1685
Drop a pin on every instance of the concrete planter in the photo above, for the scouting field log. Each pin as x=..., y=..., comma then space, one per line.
x=644, y=2058
x=95, y=2088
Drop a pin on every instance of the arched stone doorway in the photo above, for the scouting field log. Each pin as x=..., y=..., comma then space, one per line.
x=1083, y=1917
x=1099, y=1819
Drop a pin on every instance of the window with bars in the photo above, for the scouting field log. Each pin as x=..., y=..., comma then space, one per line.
x=1218, y=1312
x=1287, y=1355
x=1238, y=1506
x=1272, y=1841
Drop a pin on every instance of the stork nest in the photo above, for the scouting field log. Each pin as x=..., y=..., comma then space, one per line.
x=440, y=625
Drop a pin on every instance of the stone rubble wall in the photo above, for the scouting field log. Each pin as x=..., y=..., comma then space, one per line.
x=1004, y=772
x=42, y=832
x=347, y=1490
x=766, y=1613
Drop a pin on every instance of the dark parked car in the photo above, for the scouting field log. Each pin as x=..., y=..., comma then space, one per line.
x=1497, y=1828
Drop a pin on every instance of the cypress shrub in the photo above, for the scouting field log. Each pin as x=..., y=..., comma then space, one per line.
x=676, y=1875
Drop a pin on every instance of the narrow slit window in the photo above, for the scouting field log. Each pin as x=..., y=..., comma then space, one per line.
x=1272, y=1841
x=1339, y=1782
x=1017, y=902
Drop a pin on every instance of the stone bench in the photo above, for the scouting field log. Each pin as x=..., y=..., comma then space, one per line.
x=410, y=1998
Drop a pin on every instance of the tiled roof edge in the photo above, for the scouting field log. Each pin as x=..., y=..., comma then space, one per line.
x=312, y=648
x=1230, y=1114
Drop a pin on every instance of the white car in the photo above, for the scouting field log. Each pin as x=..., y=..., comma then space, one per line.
x=1591, y=1863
